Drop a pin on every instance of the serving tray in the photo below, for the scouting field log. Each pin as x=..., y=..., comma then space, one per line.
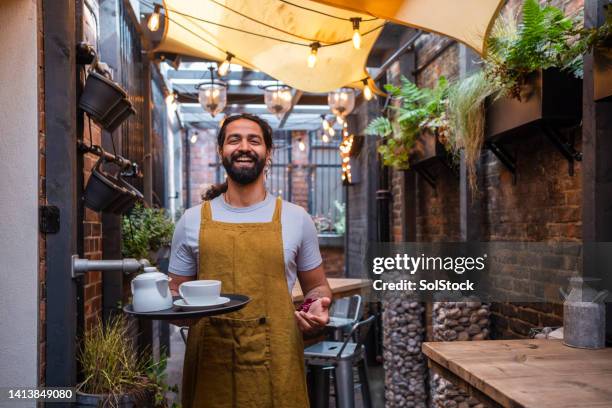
x=236, y=302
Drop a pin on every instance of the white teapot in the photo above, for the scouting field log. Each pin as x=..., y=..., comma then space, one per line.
x=150, y=291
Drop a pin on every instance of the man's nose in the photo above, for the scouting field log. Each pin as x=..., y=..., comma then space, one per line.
x=244, y=145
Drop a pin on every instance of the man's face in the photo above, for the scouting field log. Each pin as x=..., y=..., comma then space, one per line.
x=244, y=152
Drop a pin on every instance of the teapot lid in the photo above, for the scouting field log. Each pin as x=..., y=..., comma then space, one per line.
x=150, y=272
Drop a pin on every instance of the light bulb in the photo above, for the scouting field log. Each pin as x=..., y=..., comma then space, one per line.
x=325, y=123
x=367, y=91
x=154, y=19
x=340, y=120
x=194, y=138
x=169, y=98
x=345, y=125
x=332, y=132
x=301, y=145
x=356, y=34
x=312, y=57
x=225, y=65
x=325, y=138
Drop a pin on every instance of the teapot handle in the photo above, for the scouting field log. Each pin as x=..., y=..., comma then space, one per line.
x=132, y=286
x=601, y=296
x=564, y=294
x=157, y=281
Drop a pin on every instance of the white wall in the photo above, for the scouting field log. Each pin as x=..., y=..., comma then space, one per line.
x=18, y=194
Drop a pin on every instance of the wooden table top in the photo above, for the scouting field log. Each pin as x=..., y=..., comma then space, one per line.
x=338, y=286
x=529, y=373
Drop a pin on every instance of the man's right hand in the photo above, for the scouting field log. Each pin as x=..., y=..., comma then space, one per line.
x=174, y=283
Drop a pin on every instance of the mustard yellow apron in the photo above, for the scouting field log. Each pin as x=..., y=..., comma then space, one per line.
x=253, y=357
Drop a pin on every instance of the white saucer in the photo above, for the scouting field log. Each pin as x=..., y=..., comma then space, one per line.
x=183, y=305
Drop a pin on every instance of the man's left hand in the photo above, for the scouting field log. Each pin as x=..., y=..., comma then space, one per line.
x=316, y=318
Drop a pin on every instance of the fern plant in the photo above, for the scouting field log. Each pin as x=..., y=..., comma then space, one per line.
x=544, y=38
x=419, y=109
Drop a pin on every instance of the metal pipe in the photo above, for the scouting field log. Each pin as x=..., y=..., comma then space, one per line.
x=98, y=151
x=127, y=265
x=401, y=51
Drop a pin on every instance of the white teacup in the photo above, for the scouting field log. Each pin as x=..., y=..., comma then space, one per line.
x=200, y=292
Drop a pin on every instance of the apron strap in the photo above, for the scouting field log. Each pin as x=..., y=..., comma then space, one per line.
x=277, y=210
x=206, y=212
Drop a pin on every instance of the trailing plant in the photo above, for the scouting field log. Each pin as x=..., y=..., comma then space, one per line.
x=544, y=38
x=145, y=230
x=466, y=104
x=113, y=367
x=419, y=109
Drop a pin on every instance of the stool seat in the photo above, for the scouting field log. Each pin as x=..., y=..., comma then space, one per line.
x=330, y=349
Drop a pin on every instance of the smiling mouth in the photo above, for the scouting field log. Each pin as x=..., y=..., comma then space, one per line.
x=244, y=160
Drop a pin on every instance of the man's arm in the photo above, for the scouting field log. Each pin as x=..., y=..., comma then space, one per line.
x=314, y=286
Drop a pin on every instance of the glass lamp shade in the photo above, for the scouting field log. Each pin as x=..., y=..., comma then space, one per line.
x=213, y=97
x=341, y=101
x=278, y=99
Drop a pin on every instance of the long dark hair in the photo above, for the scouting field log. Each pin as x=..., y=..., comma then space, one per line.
x=218, y=189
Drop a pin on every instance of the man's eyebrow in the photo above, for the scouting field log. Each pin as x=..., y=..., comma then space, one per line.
x=248, y=135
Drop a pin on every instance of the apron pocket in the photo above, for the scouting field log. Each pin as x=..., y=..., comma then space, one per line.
x=251, y=339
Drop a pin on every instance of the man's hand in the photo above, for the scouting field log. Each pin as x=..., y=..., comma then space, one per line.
x=316, y=318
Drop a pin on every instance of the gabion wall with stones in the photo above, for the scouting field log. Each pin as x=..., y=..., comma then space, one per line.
x=457, y=321
x=404, y=364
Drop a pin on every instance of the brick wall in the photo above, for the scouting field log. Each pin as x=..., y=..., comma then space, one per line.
x=543, y=205
x=299, y=174
x=202, y=153
x=333, y=261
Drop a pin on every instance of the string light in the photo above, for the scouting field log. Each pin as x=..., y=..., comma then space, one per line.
x=340, y=120
x=224, y=67
x=301, y=145
x=325, y=138
x=325, y=123
x=345, y=125
x=345, y=154
x=194, y=138
x=170, y=98
x=367, y=91
x=312, y=57
x=356, y=34
x=331, y=131
x=154, y=19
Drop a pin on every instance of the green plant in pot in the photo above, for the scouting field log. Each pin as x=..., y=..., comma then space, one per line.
x=115, y=374
x=412, y=111
x=146, y=233
x=543, y=39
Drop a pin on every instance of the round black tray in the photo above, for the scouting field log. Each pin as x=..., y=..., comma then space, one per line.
x=236, y=302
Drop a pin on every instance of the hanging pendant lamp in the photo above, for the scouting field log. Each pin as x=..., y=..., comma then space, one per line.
x=212, y=95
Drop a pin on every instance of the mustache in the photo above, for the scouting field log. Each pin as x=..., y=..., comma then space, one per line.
x=240, y=155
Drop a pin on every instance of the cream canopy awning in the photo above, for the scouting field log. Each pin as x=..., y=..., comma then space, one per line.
x=275, y=36
x=467, y=21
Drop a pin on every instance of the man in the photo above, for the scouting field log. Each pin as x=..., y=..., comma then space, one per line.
x=255, y=245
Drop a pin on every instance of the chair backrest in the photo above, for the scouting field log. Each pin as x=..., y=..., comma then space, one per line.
x=347, y=308
x=359, y=332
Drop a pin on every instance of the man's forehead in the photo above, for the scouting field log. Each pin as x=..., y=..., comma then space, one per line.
x=243, y=126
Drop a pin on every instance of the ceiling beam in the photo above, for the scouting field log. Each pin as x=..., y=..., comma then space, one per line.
x=306, y=99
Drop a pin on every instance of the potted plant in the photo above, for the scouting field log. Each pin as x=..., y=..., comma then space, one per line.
x=147, y=233
x=115, y=374
x=600, y=41
x=416, y=130
x=537, y=64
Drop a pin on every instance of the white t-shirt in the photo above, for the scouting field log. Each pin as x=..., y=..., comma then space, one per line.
x=300, y=241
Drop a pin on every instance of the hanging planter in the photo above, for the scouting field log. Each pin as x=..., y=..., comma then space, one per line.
x=106, y=192
x=430, y=150
x=548, y=98
x=105, y=101
x=602, y=74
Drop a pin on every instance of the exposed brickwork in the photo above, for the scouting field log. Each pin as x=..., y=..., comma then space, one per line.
x=543, y=206
x=299, y=174
x=333, y=261
x=202, y=153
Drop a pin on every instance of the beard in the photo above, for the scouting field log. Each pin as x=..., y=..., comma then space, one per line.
x=243, y=175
